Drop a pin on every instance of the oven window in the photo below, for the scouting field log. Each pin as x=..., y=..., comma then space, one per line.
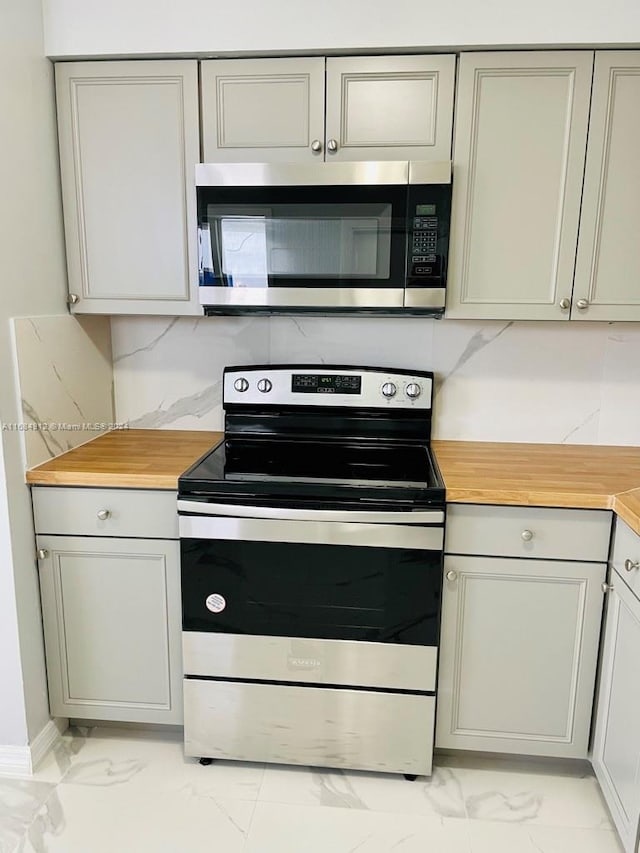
x=387, y=595
x=282, y=237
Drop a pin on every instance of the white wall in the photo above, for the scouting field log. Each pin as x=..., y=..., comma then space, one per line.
x=95, y=27
x=32, y=280
x=495, y=381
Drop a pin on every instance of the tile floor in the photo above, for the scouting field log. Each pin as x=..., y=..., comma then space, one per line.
x=107, y=790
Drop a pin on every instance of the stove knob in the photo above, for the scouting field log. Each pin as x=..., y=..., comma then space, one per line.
x=389, y=390
x=413, y=390
x=265, y=385
x=241, y=384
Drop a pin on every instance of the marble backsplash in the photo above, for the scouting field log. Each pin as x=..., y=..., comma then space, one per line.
x=65, y=380
x=495, y=381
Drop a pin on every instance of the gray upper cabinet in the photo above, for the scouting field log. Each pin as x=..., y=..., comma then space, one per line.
x=390, y=107
x=519, y=152
x=608, y=263
x=377, y=108
x=129, y=142
x=264, y=110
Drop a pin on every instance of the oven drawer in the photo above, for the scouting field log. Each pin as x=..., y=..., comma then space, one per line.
x=344, y=662
x=355, y=729
x=142, y=513
x=522, y=531
x=625, y=558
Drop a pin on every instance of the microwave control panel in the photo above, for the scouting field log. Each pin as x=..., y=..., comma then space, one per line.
x=428, y=235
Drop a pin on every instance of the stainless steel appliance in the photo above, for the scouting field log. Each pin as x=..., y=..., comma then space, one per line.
x=324, y=237
x=311, y=551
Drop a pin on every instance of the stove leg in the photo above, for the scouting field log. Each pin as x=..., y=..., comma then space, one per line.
x=205, y=761
x=410, y=777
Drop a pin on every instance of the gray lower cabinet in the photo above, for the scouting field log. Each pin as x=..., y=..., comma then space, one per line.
x=112, y=623
x=616, y=747
x=520, y=629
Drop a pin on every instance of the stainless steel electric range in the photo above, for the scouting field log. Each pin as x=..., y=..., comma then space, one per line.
x=311, y=549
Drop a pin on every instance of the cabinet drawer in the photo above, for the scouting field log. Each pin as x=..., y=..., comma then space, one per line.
x=519, y=531
x=626, y=550
x=74, y=512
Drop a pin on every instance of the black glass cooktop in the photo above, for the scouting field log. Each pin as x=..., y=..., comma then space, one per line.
x=307, y=467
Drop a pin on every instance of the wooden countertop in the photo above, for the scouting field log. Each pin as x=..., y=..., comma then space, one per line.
x=128, y=458
x=554, y=475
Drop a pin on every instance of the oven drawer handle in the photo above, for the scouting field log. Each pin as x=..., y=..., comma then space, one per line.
x=429, y=516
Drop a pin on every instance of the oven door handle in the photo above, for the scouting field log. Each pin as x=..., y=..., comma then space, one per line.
x=199, y=527
x=428, y=516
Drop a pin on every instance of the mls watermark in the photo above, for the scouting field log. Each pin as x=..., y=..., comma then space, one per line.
x=54, y=426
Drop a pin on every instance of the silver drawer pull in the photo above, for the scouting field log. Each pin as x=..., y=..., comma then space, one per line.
x=104, y=514
x=451, y=575
x=42, y=553
x=630, y=565
x=606, y=587
x=527, y=535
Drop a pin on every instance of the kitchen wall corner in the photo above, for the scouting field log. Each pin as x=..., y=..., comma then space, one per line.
x=65, y=373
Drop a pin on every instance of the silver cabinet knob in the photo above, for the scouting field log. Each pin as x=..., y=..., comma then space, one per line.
x=451, y=575
x=332, y=145
x=265, y=385
x=389, y=390
x=413, y=390
x=73, y=299
x=582, y=304
x=42, y=553
x=606, y=587
x=104, y=514
x=565, y=303
x=630, y=565
x=241, y=384
x=527, y=535
x=316, y=146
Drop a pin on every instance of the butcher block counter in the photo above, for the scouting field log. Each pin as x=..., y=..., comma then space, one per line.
x=127, y=459
x=552, y=475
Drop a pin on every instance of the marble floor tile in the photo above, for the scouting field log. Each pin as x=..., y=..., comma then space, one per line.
x=20, y=801
x=112, y=757
x=489, y=837
x=281, y=828
x=91, y=819
x=439, y=795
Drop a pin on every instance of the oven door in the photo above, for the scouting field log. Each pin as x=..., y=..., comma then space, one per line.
x=324, y=602
x=313, y=245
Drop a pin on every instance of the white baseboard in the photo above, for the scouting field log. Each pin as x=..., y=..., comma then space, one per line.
x=23, y=760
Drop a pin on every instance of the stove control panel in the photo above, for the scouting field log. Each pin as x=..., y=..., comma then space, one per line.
x=326, y=386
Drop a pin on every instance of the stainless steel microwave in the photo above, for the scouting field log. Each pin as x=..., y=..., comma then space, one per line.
x=323, y=238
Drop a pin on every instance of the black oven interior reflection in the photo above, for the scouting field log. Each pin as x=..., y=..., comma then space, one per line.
x=384, y=595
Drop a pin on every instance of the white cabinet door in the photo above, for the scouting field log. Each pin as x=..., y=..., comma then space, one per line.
x=518, y=654
x=608, y=262
x=129, y=144
x=112, y=624
x=390, y=107
x=519, y=149
x=263, y=110
x=616, y=747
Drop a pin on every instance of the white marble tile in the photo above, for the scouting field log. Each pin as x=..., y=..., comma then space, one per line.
x=112, y=757
x=620, y=416
x=370, y=341
x=66, y=381
x=19, y=802
x=488, y=837
x=536, y=382
x=280, y=828
x=168, y=372
x=82, y=818
x=439, y=795
x=519, y=797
